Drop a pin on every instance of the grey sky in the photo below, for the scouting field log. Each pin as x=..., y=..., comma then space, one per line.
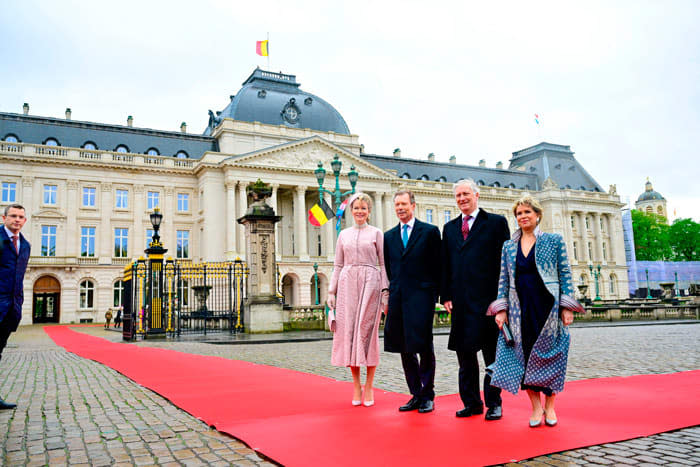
x=617, y=81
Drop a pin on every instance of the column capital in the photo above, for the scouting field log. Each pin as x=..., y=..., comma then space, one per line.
x=27, y=181
x=106, y=186
x=300, y=189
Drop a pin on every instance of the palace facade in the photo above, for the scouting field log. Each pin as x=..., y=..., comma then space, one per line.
x=89, y=189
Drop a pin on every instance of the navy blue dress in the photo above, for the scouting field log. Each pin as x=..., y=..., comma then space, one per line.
x=535, y=303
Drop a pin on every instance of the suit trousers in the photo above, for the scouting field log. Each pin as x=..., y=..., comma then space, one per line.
x=7, y=327
x=420, y=376
x=469, y=377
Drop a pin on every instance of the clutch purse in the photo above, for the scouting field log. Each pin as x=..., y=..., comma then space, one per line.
x=508, y=335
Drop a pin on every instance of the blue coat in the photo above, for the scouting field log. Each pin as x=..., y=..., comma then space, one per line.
x=414, y=282
x=547, y=364
x=12, y=268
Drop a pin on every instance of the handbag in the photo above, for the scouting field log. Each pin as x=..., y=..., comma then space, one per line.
x=508, y=335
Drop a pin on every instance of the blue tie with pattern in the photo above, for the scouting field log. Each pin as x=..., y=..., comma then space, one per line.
x=404, y=235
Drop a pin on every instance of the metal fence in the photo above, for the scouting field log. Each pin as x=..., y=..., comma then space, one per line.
x=168, y=298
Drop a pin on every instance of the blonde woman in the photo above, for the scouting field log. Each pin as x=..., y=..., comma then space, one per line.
x=357, y=296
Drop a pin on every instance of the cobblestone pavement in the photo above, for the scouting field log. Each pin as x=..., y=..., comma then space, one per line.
x=75, y=411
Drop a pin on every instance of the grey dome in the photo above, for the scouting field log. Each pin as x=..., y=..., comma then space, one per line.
x=649, y=193
x=275, y=99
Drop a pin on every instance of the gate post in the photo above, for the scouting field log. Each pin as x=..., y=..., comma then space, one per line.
x=263, y=312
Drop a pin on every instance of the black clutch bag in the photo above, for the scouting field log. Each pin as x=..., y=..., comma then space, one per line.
x=507, y=335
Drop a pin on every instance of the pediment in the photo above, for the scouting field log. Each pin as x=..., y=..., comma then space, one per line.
x=305, y=155
x=49, y=214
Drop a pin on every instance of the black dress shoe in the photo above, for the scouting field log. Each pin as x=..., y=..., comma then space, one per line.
x=469, y=411
x=413, y=404
x=494, y=413
x=426, y=406
x=6, y=405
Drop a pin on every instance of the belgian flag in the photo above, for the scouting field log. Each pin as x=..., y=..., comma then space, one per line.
x=320, y=214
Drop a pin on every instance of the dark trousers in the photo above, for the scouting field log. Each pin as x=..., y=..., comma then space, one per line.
x=420, y=376
x=7, y=326
x=469, y=378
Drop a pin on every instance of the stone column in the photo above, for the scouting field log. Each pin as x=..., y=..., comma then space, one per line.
x=329, y=230
x=378, y=211
x=71, y=237
x=389, y=214
x=569, y=233
x=273, y=205
x=231, y=224
x=300, y=231
x=584, y=237
x=598, y=248
x=242, y=206
x=104, y=232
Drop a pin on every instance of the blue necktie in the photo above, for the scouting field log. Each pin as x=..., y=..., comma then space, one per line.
x=404, y=235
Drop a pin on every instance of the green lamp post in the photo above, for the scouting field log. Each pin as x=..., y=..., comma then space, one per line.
x=336, y=166
x=595, y=272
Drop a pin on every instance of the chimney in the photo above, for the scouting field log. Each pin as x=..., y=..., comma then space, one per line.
x=129, y=121
x=68, y=113
x=25, y=108
x=453, y=159
x=482, y=163
x=183, y=127
x=362, y=148
x=431, y=157
x=397, y=151
x=499, y=165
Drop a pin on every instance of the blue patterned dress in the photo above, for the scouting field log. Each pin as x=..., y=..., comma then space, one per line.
x=546, y=365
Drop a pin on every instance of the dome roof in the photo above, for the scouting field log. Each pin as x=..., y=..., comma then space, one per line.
x=275, y=99
x=649, y=193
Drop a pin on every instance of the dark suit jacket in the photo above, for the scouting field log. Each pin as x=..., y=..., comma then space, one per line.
x=470, y=272
x=414, y=282
x=12, y=268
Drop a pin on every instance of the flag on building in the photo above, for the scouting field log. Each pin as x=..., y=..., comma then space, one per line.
x=262, y=48
x=339, y=213
x=537, y=119
x=320, y=214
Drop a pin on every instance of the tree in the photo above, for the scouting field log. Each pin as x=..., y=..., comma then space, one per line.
x=684, y=239
x=650, y=237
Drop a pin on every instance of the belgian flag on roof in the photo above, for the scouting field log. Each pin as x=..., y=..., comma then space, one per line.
x=320, y=214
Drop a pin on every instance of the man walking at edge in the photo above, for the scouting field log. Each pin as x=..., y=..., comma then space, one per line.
x=412, y=261
x=471, y=264
x=14, y=256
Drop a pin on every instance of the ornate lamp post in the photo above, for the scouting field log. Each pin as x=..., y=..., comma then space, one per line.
x=648, y=289
x=316, y=281
x=678, y=290
x=336, y=165
x=154, y=281
x=595, y=272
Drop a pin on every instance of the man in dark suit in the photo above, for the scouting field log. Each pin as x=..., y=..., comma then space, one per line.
x=14, y=255
x=412, y=262
x=471, y=263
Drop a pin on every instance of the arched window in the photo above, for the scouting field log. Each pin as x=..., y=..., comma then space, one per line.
x=118, y=292
x=183, y=292
x=511, y=185
x=406, y=175
x=496, y=184
x=650, y=210
x=182, y=155
x=613, y=280
x=442, y=179
x=660, y=211
x=10, y=138
x=583, y=280
x=87, y=294
x=51, y=142
x=480, y=182
x=424, y=177
x=153, y=152
x=121, y=148
x=582, y=188
x=89, y=145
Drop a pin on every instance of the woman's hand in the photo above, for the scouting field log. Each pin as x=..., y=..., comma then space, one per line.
x=567, y=317
x=331, y=320
x=501, y=317
x=384, y=301
x=330, y=301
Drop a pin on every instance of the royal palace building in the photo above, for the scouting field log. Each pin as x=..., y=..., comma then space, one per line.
x=89, y=189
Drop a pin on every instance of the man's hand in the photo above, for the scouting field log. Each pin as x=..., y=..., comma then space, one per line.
x=330, y=301
x=448, y=306
x=501, y=317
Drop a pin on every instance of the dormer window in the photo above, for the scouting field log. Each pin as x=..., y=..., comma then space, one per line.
x=89, y=145
x=406, y=175
x=424, y=177
x=51, y=142
x=182, y=155
x=153, y=152
x=121, y=148
x=11, y=138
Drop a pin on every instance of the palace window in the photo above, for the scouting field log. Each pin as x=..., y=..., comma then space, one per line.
x=87, y=241
x=573, y=222
x=118, y=292
x=576, y=251
x=183, y=202
x=149, y=236
x=590, y=251
x=121, y=242
x=605, y=252
x=183, y=244
x=89, y=145
x=121, y=148
x=11, y=138
x=182, y=155
x=51, y=142
x=87, y=294
x=588, y=225
x=153, y=199
x=122, y=199
x=429, y=216
x=89, y=197
x=48, y=240
x=9, y=192
x=50, y=192
x=447, y=216
x=153, y=152
x=613, y=280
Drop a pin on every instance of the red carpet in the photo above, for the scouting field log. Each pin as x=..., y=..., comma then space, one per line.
x=307, y=420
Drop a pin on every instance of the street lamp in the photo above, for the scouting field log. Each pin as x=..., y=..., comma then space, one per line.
x=648, y=289
x=595, y=272
x=316, y=281
x=678, y=290
x=156, y=219
x=336, y=165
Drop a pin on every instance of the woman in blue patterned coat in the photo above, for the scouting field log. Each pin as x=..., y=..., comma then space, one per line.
x=535, y=298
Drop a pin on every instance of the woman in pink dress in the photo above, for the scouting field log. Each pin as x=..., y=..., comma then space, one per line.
x=357, y=296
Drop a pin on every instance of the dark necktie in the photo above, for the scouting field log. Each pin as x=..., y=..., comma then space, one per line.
x=15, y=242
x=465, y=226
x=404, y=235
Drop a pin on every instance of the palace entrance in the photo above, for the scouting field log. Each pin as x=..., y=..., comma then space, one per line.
x=47, y=295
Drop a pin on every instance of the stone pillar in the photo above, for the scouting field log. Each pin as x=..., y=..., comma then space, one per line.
x=584, y=237
x=389, y=213
x=71, y=237
x=300, y=231
x=231, y=224
x=329, y=230
x=104, y=232
x=598, y=248
x=378, y=211
x=273, y=205
x=263, y=311
x=242, y=206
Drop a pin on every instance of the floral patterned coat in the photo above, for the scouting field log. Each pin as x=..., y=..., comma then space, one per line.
x=547, y=364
